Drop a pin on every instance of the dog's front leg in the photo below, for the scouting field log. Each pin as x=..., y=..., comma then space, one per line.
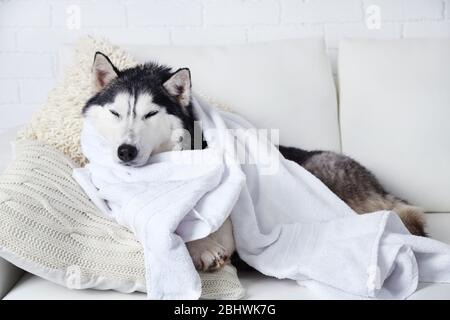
x=213, y=251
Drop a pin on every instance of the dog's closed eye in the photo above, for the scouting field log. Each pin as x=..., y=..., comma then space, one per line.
x=116, y=114
x=150, y=114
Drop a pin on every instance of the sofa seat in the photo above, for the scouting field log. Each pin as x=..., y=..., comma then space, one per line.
x=258, y=286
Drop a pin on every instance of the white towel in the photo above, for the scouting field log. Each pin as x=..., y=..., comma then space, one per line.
x=287, y=224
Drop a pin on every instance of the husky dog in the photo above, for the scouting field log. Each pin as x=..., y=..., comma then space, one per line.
x=147, y=109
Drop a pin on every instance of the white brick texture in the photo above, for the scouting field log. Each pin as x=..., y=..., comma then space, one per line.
x=266, y=33
x=394, y=10
x=32, y=40
x=337, y=32
x=35, y=90
x=298, y=11
x=24, y=14
x=135, y=36
x=210, y=36
x=9, y=92
x=32, y=31
x=239, y=12
x=165, y=13
x=435, y=29
x=7, y=39
x=17, y=114
x=17, y=65
x=92, y=14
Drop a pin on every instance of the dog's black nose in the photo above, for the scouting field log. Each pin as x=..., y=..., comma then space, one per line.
x=127, y=152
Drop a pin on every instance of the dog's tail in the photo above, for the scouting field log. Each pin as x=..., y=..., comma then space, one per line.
x=413, y=217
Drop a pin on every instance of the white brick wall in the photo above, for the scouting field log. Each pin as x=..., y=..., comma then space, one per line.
x=321, y=11
x=208, y=36
x=31, y=31
x=35, y=90
x=93, y=13
x=24, y=65
x=238, y=12
x=334, y=32
x=9, y=91
x=165, y=13
x=24, y=14
x=407, y=10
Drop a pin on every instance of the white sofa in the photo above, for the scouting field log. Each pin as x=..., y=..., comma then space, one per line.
x=393, y=116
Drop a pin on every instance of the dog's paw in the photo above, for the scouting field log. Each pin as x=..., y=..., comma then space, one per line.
x=207, y=254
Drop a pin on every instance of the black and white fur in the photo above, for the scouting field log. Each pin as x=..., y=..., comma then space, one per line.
x=147, y=109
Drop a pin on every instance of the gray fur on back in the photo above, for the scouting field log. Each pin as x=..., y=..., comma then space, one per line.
x=355, y=185
x=346, y=178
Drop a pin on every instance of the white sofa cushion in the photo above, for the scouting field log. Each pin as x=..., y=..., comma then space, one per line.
x=9, y=274
x=286, y=85
x=257, y=286
x=394, y=115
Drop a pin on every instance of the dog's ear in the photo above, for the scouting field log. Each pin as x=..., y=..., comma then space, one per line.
x=179, y=86
x=103, y=71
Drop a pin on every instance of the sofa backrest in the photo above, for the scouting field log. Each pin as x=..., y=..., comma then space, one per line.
x=285, y=85
x=395, y=115
x=394, y=101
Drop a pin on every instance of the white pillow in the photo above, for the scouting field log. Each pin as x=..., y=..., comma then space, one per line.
x=395, y=112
